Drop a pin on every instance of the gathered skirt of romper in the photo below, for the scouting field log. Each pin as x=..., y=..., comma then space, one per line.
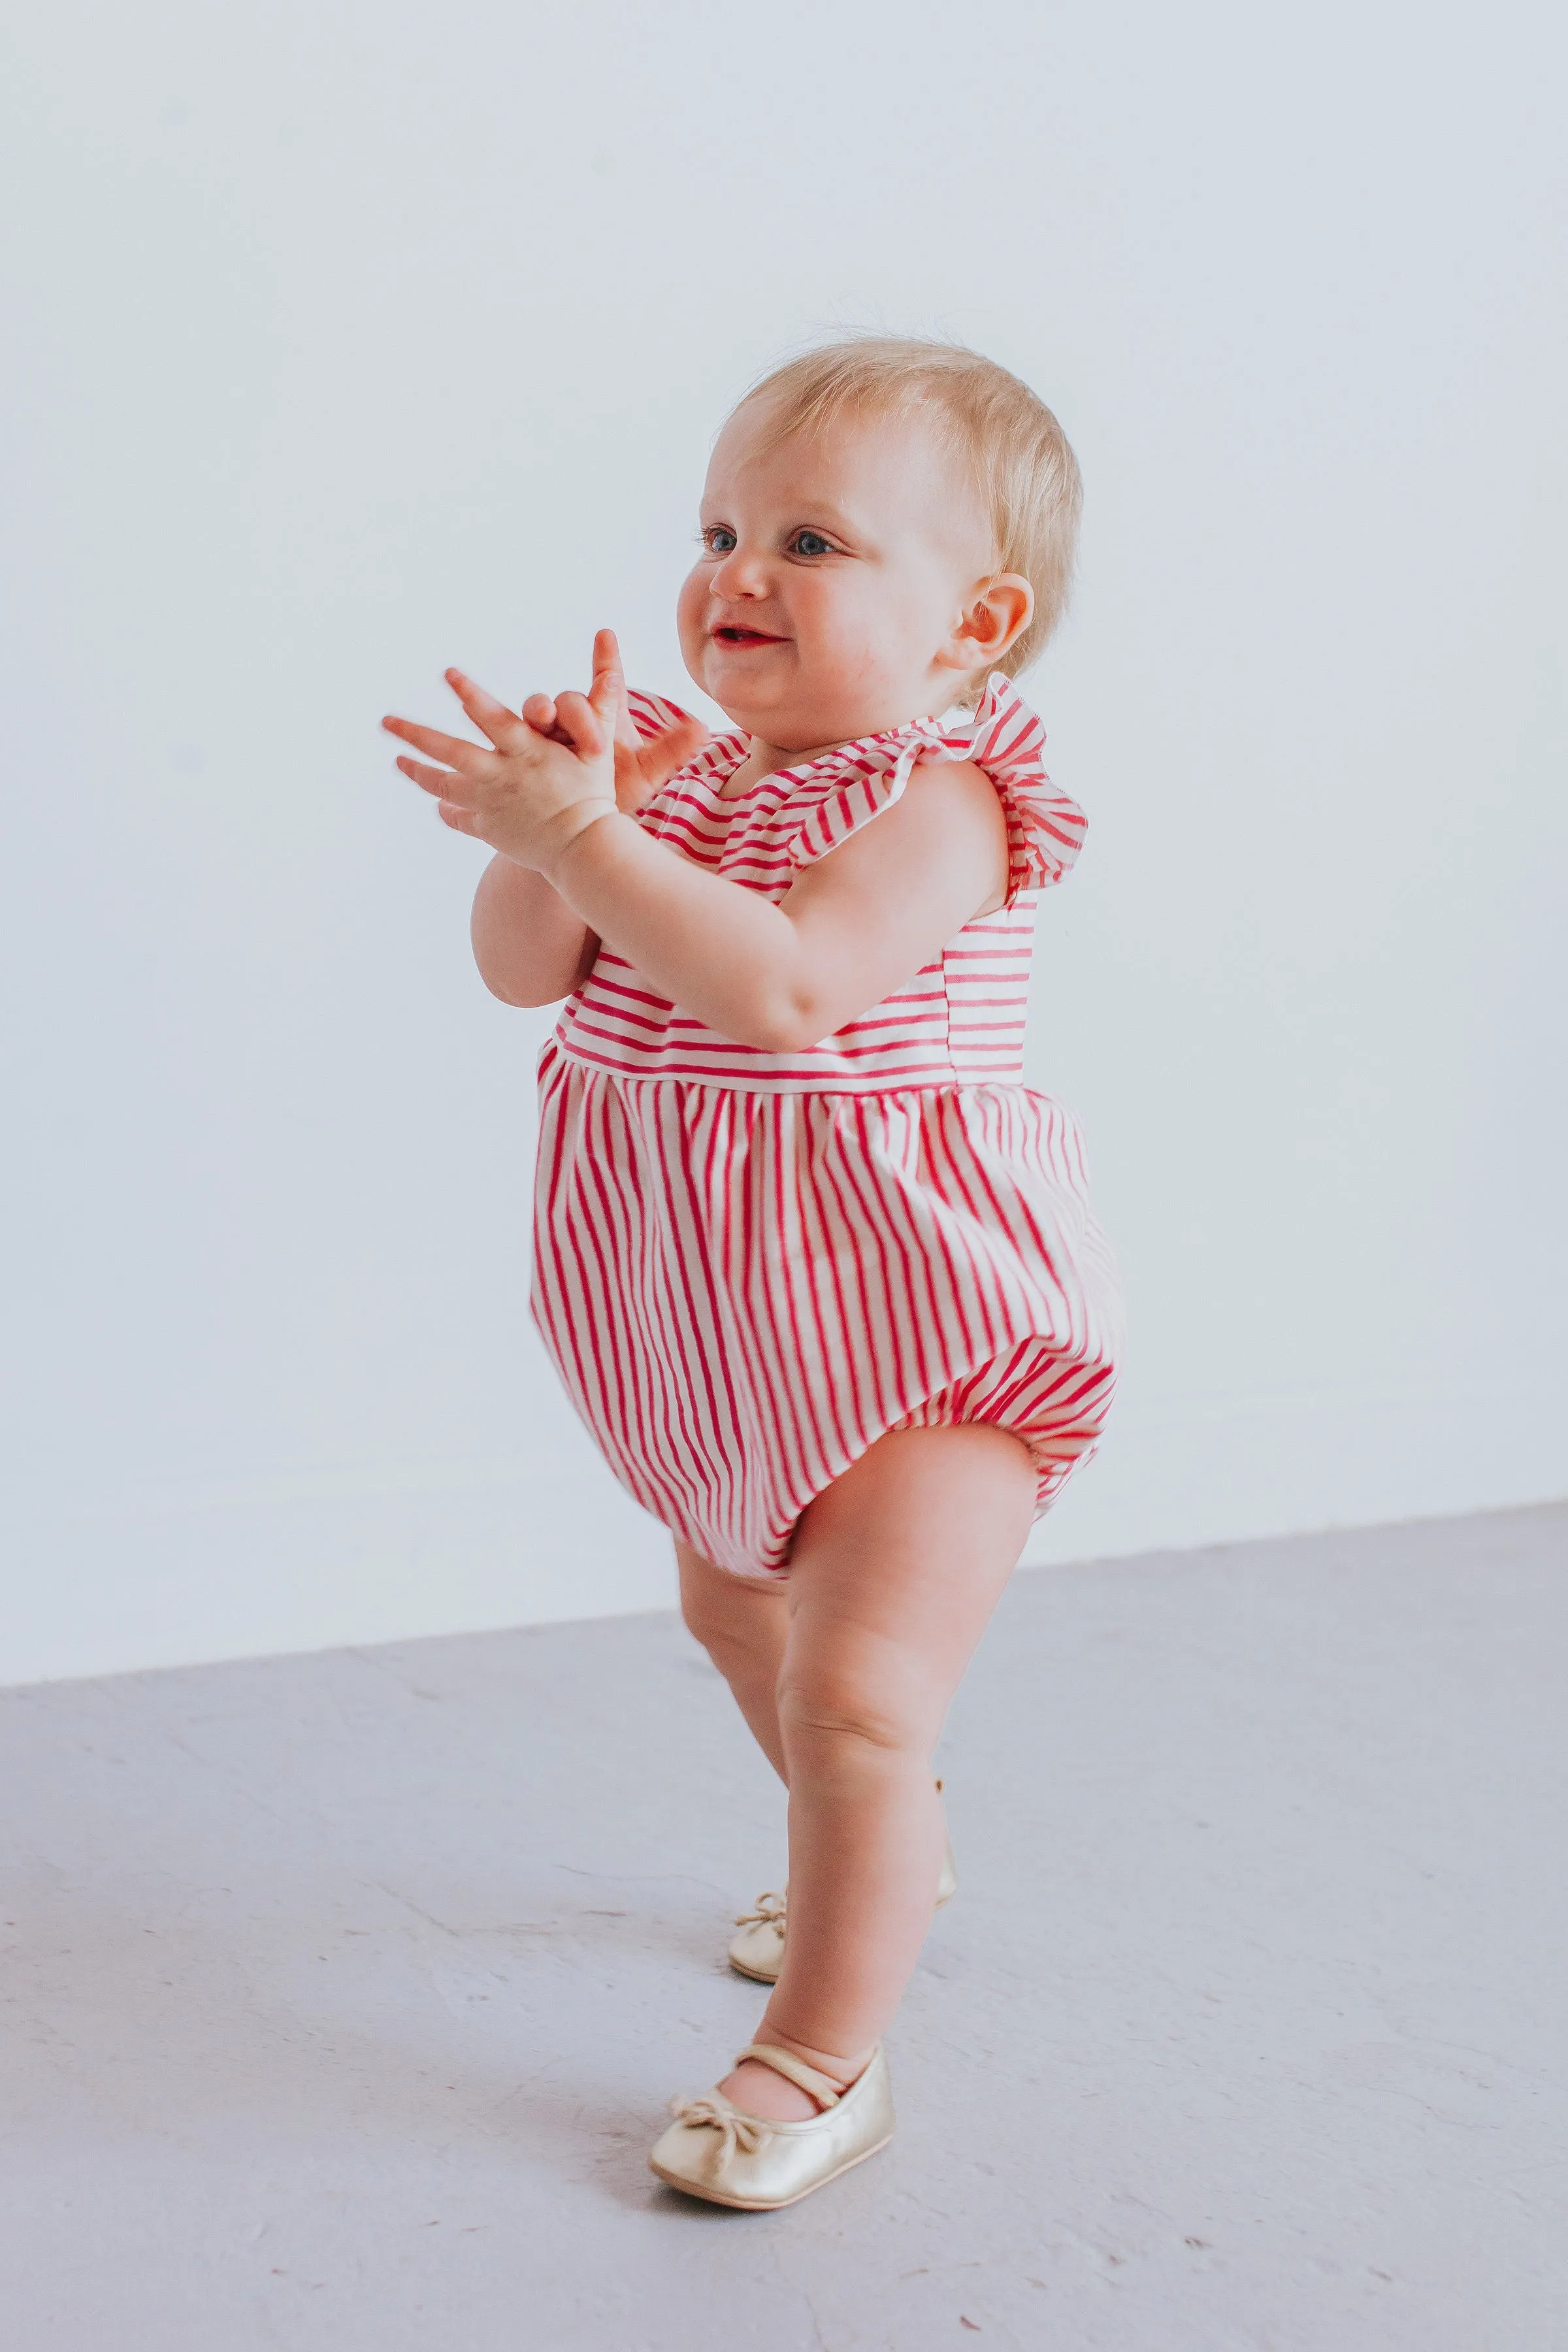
x=749, y=1266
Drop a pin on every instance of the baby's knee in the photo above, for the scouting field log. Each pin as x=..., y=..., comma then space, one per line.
x=712, y=1630
x=836, y=1713
x=729, y=1618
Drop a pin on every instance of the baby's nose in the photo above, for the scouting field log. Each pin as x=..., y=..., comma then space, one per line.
x=743, y=572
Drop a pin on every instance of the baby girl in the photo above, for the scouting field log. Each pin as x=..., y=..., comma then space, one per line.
x=816, y=1267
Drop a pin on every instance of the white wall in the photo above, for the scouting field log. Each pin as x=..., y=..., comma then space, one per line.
x=359, y=339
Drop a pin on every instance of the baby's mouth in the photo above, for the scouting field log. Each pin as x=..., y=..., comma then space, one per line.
x=731, y=636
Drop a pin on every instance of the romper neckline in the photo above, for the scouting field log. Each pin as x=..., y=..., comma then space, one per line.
x=933, y=724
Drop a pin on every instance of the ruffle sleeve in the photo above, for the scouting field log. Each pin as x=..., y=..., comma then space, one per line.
x=846, y=789
x=1005, y=738
x=1044, y=828
x=651, y=714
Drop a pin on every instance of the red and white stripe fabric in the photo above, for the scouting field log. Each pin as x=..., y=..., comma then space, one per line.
x=961, y=1018
x=747, y=1265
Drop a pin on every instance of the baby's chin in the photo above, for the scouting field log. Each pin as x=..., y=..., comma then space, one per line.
x=792, y=712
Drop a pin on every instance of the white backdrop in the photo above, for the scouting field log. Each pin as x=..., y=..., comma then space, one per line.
x=357, y=339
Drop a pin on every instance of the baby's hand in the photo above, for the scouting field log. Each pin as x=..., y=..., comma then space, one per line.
x=537, y=789
x=641, y=767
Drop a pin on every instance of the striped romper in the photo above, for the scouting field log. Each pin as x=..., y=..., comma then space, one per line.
x=748, y=1265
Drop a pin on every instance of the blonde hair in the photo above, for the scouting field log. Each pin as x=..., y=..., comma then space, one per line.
x=1019, y=458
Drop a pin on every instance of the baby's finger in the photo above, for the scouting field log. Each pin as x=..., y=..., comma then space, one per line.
x=582, y=725
x=668, y=752
x=491, y=717
x=608, y=692
x=470, y=759
x=441, y=781
x=461, y=820
x=540, y=712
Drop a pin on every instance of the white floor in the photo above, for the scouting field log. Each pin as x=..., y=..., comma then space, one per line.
x=341, y=1995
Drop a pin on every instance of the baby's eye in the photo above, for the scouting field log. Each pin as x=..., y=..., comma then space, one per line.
x=810, y=542
x=718, y=539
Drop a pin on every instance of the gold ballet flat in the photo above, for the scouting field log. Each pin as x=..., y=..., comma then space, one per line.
x=758, y=1950
x=714, y=2151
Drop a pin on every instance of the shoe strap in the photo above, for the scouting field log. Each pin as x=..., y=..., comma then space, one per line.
x=821, y=2087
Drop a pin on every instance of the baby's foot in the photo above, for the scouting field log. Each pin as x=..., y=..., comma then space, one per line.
x=756, y=2090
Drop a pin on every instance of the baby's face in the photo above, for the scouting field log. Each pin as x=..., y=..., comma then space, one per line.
x=834, y=575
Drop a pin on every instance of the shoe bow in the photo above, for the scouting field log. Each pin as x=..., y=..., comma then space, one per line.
x=769, y=1912
x=747, y=2133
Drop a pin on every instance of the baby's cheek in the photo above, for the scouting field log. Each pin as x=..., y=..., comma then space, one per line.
x=688, y=609
x=849, y=633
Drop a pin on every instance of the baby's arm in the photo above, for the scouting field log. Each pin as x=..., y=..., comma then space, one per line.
x=529, y=944
x=531, y=947
x=856, y=926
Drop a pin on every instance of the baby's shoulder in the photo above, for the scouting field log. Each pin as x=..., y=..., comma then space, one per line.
x=956, y=796
x=944, y=831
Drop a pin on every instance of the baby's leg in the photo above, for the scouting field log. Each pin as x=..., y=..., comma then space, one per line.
x=742, y=1622
x=894, y=1571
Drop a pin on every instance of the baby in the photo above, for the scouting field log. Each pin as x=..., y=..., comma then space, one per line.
x=815, y=1266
